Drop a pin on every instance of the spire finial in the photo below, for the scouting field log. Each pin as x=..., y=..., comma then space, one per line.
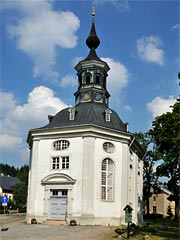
x=93, y=41
x=93, y=11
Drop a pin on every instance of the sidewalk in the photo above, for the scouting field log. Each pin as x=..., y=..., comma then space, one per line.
x=49, y=232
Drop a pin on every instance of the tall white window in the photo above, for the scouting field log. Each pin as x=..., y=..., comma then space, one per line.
x=60, y=162
x=55, y=163
x=107, y=179
x=65, y=162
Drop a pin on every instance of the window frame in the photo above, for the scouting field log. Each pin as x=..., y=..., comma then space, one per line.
x=109, y=147
x=98, y=79
x=60, y=145
x=60, y=163
x=65, y=162
x=107, y=180
x=108, y=113
x=87, y=78
x=72, y=112
x=154, y=209
x=55, y=163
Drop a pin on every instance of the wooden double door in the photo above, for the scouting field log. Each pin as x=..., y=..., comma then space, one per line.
x=58, y=205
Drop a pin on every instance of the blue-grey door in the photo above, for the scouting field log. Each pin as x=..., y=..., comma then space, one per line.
x=58, y=205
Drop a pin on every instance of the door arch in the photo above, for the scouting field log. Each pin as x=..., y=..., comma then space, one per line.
x=58, y=196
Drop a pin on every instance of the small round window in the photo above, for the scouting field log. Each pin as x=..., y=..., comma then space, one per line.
x=108, y=147
x=60, y=144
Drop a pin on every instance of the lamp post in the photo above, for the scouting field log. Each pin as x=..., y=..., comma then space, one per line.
x=128, y=217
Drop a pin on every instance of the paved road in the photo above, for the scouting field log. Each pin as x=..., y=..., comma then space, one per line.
x=18, y=230
x=14, y=219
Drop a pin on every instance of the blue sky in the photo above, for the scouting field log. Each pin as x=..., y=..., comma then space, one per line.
x=41, y=42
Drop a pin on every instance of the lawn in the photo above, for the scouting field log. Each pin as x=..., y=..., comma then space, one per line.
x=157, y=229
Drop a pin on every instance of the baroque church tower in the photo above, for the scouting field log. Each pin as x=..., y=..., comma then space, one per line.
x=84, y=164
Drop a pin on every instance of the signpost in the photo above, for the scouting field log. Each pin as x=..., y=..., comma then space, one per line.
x=4, y=201
x=128, y=217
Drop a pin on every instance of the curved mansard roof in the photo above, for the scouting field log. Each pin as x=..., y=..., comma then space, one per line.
x=87, y=114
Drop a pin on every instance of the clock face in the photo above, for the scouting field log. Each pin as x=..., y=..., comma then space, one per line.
x=85, y=96
x=98, y=96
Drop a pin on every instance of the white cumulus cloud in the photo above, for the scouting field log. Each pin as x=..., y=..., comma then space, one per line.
x=41, y=102
x=120, y=5
x=118, y=78
x=176, y=26
x=128, y=108
x=18, y=119
x=7, y=103
x=159, y=105
x=68, y=80
x=149, y=49
x=39, y=30
x=8, y=142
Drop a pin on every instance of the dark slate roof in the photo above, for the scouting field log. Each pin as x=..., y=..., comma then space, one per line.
x=92, y=56
x=7, y=183
x=87, y=114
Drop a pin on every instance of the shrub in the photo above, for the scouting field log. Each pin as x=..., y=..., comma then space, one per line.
x=119, y=230
x=133, y=225
x=73, y=222
x=153, y=216
x=33, y=221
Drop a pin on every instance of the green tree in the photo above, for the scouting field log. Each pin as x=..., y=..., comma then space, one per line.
x=165, y=133
x=8, y=170
x=20, y=194
x=22, y=173
x=149, y=176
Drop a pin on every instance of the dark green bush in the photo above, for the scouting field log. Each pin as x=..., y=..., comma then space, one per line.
x=73, y=222
x=119, y=230
x=33, y=221
x=153, y=216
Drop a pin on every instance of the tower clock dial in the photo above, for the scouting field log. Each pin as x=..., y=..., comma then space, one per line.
x=85, y=96
x=98, y=96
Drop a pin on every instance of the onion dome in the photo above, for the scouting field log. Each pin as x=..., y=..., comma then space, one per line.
x=93, y=41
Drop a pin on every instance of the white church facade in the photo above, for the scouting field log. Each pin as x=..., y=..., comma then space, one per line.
x=84, y=164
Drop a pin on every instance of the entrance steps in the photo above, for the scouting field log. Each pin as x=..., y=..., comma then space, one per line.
x=55, y=222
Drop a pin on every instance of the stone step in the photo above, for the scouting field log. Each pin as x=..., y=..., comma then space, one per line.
x=55, y=222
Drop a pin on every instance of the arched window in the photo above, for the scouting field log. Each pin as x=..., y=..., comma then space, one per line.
x=98, y=79
x=107, y=179
x=80, y=80
x=88, y=78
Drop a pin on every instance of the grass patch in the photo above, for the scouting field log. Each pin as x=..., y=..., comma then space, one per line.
x=157, y=229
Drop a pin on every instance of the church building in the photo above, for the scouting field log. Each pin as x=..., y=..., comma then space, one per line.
x=84, y=164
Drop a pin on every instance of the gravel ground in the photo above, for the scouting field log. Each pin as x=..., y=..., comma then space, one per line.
x=52, y=232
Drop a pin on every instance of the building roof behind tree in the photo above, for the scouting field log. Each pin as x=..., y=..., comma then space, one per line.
x=7, y=183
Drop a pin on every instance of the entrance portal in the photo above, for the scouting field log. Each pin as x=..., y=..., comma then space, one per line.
x=58, y=205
